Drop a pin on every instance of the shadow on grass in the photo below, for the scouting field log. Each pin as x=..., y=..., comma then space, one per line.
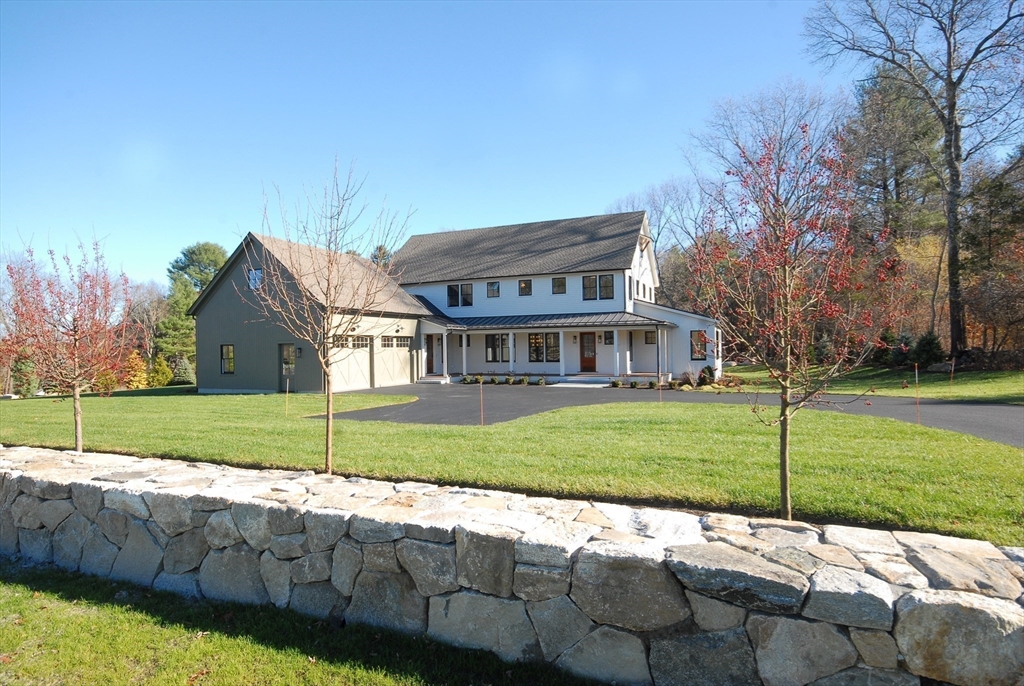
x=163, y=391
x=369, y=648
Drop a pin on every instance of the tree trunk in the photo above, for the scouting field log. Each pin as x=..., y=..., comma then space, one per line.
x=329, y=456
x=785, y=508
x=76, y=394
x=954, y=161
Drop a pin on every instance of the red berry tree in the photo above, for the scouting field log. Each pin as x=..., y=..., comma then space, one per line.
x=777, y=264
x=73, y=320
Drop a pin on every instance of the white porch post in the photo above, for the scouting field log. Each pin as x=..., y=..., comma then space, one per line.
x=657, y=340
x=511, y=352
x=423, y=354
x=444, y=354
x=615, y=352
x=561, y=353
x=629, y=361
x=465, y=341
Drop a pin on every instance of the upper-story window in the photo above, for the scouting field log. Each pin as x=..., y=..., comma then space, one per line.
x=525, y=286
x=558, y=285
x=606, y=285
x=590, y=288
x=255, y=278
x=460, y=295
x=493, y=289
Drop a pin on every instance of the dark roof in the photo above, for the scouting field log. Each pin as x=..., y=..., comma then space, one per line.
x=603, y=242
x=436, y=316
x=558, y=321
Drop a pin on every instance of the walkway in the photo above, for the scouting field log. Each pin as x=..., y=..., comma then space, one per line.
x=460, y=404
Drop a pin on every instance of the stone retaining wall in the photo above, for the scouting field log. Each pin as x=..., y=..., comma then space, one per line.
x=624, y=595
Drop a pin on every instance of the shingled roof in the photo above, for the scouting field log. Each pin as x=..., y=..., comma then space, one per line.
x=600, y=243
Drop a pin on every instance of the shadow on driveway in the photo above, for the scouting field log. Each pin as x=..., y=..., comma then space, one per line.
x=459, y=404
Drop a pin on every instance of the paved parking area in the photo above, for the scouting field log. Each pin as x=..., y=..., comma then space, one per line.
x=459, y=404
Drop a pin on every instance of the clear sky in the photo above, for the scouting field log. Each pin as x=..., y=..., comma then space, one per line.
x=154, y=125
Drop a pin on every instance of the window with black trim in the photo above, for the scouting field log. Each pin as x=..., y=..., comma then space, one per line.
x=558, y=285
x=496, y=347
x=469, y=340
x=590, y=288
x=467, y=294
x=551, y=350
x=650, y=337
x=460, y=295
x=227, y=359
x=609, y=338
x=536, y=344
x=607, y=286
x=493, y=289
x=453, y=295
x=525, y=286
x=698, y=346
x=255, y=278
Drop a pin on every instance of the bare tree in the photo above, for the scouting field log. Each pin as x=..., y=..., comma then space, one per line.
x=962, y=58
x=149, y=309
x=313, y=281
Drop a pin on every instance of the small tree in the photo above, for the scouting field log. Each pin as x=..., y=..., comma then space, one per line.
x=779, y=272
x=134, y=374
x=73, y=319
x=160, y=375
x=316, y=286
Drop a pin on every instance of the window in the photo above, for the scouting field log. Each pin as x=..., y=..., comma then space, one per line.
x=403, y=341
x=227, y=359
x=590, y=288
x=460, y=295
x=496, y=347
x=609, y=338
x=351, y=341
x=551, y=347
x=493, y=289
x=255, y=278
x=698, y=346
x=288, y=359
x=629, y=291
x=607, y=282
x=558, y=285
x=387, y=341
x=536, y=342
x=525, y=286
x=650, y=337
x=360, y=341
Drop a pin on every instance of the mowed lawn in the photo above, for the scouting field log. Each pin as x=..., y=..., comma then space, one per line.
x=877, y=472
x=984, y=387
x=60, y=628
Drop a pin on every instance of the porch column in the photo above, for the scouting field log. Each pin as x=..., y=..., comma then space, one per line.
x=465, y=343
x=423, y=354
x=629, y=360
x=657, y=340
x=511, y=352
x=561, y=353
x=444, y=354
x=615, y=352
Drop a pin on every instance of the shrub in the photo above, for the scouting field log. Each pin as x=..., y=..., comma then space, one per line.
x=928, y=350
x=181, y=371
x=883, y=353
x=466, y=378
x=686, y=379
x=160, y=375
x=494, y=380
x=509, y=379
x=524, y=380
x=541, y=381
x=634, y=384
x=479, y=378
x=23, y=375
x=652, y=384
x=134, y=374
x=616, y=383
x=900, y=354
x=674, y=385
x=106, y=383
x=706, y=376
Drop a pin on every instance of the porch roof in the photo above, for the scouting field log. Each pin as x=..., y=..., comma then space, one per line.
x=600, y=320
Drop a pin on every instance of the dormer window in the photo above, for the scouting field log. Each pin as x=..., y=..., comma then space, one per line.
x=255, y=278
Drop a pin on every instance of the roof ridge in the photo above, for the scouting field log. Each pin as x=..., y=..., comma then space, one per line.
x=521, y=224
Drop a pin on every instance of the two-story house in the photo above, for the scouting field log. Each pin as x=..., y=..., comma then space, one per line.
x=572, y=297
x=565, y=299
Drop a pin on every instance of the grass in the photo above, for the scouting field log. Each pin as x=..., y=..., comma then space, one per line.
x=984, y=387
x=60, y=628
x=864, y=470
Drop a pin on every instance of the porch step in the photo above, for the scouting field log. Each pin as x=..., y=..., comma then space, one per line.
x=434, y=379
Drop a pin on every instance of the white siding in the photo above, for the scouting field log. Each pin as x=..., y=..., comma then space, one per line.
x=679, y=358
x=511, y=303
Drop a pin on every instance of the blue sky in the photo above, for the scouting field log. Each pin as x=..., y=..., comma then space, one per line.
x=152, y=125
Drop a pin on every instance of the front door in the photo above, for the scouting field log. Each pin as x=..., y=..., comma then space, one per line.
x=286, y=357
x=430, y=354
x=588, y=352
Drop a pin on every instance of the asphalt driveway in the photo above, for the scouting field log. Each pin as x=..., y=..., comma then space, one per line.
x=460, y=405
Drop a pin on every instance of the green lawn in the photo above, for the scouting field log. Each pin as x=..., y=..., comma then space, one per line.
x=59, y=628
x=708, y=456
x=987, y=387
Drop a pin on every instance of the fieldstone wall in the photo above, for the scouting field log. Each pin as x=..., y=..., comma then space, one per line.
x=620, y=594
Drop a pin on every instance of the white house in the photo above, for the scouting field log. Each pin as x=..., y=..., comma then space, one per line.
x=565, y=299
